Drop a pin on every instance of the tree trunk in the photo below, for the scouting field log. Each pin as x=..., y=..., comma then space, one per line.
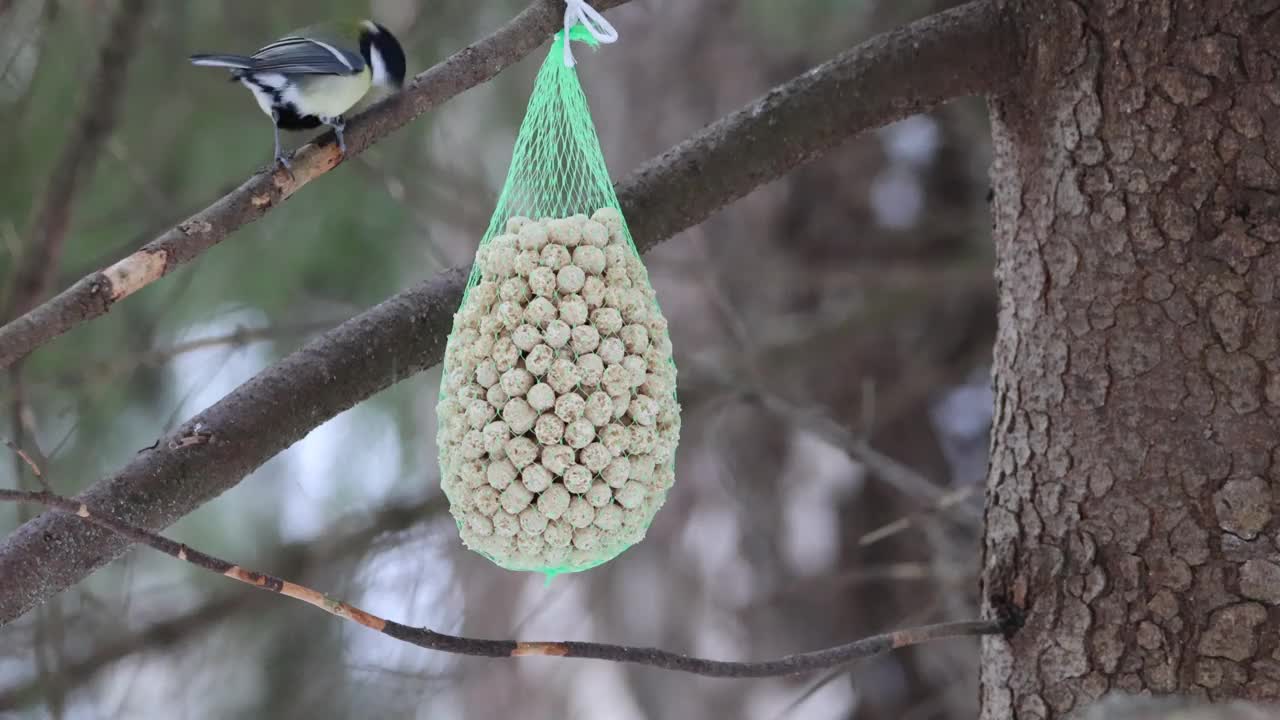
x=1135, y=467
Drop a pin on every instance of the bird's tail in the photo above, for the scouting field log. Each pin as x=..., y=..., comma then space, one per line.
x=233, y=62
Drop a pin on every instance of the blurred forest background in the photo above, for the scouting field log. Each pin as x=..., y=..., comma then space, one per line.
x=832, y=333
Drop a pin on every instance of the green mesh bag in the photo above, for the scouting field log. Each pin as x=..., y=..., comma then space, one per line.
x=558, y=420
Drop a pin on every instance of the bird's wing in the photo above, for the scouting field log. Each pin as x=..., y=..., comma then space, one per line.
x=306, y=56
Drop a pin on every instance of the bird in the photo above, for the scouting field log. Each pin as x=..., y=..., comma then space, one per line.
x=311, y=76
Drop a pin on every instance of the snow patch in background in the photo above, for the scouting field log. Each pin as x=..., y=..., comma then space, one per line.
x=897, y=197
x=410, y=582
x=711, y=539
x=818, y=476
x=962, y=419
x=353, y=460
x=205, y=376
x=912, y=141
x=777, y=700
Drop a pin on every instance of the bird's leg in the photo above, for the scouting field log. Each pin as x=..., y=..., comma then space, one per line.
x=280, y=158
x=338, y=124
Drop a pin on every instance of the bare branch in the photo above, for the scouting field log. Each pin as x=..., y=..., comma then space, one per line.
x=945, y=502
x=19, y=414
x=109, y=370
x=347, y=539
x=22, y=454
x=93, y=295
x=454, y=644
x=159, y=636
x=965, y=51
x=43, y=247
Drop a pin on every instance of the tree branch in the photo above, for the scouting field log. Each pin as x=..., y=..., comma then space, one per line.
x=93, y=295
x=159, y=636
x=345, y=542
x=966, y=51
x=109, y=370
x=97, y=117
x=454, y=644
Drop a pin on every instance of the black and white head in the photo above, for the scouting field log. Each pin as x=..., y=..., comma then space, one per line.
x=382, y=51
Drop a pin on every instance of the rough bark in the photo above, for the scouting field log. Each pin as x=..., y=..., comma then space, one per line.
x=1136, y=450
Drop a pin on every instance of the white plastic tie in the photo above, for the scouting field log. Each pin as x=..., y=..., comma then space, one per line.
x=576, y=11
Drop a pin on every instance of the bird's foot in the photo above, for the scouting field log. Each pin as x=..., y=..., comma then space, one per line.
x=339, y=125
x=282, y=163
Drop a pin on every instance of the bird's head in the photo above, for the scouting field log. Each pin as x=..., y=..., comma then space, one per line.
x=382, y=51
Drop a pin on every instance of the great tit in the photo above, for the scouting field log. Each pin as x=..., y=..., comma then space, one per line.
x=314, y=75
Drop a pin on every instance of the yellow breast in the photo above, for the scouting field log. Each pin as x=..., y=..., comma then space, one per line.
x=328, y=96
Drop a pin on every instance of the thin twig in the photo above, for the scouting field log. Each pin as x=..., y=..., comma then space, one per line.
x=18, y=417
x=897, y=475
x=972, y=49
x=241, y=336
x=159, y=636
x=93, y=295
x=809, y=692
x=48, y=620
x=35, y=469
x=752, y=386
x=344, y=539
x=431, y=640
x=884, y=532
